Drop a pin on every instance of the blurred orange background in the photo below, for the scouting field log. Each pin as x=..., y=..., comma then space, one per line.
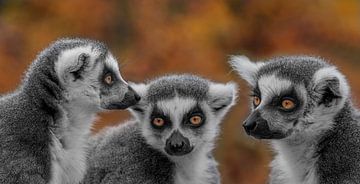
x=153, y=38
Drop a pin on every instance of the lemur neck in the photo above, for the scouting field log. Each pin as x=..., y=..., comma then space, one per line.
x=192, y=168
x=70, y=144
x=75, y=125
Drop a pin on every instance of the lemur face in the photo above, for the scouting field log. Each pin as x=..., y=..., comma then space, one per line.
x=180, y=114
x=277, y=106
x=177, y=125
x=291, y=96
x=91, y=77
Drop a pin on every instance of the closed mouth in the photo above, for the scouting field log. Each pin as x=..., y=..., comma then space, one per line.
x=179, y=153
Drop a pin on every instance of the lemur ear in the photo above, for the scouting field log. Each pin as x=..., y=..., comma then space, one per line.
x=330, y=87
x=245, y=68
x=222, y=96
x=76, y=70
x=71, y=67
x=138, y=110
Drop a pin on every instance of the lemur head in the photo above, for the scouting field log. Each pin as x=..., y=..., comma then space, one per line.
x=180, y=114
x=291, y=96
x=89, y=74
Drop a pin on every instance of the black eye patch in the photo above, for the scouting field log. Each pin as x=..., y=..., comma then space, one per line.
x=195, y=111
x=157, y=113
x=256, y=92
x=286, y=95
x=108, y=72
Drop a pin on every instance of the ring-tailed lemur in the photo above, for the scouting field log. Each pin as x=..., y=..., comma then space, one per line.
x=303, y=105
x=45, y=123
x=172, y=138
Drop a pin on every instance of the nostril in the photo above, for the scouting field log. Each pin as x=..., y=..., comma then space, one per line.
x=177, y=146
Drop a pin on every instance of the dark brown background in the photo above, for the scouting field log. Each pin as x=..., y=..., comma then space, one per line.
x=152, y=38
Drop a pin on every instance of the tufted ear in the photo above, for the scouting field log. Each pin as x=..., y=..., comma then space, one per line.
x=222, y=97
x=330, y=86
x=245, y=68
x=138, y=110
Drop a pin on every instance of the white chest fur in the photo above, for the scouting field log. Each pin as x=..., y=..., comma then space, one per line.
x=295, y=164
x=69, y=147
x=193, y=169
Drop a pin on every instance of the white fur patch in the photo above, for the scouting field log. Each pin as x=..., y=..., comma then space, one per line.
x=245, y=68
x=176, y=108
x=222, y=95
x=68, y=164
x=295, y=164
x=111, y=62
x=69, y=58
x=271, y=86
x=140, y=89
x=193, y=168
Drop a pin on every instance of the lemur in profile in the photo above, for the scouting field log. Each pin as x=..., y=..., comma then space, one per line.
x=45, y=123
x=303, y=105
x=172, y=138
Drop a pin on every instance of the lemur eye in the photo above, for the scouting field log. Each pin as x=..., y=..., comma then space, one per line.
x=256, y=101
x=196, y=120
x=108, y=79
x=288, y=104
x=158, y=122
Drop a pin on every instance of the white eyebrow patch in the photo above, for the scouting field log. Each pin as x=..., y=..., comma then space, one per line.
x=270, y=85
x=112, y=63
x=176, y=108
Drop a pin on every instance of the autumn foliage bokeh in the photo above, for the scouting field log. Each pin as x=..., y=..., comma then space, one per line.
x=153, y=38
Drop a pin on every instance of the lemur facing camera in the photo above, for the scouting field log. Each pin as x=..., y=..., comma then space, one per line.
x=172, y=138
x=45, y=123
x=303, y=105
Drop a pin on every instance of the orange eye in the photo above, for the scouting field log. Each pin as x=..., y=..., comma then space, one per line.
x=108, y=79
x=256, y=100
x=288, y=104
x=196, y=120
x=159, y=122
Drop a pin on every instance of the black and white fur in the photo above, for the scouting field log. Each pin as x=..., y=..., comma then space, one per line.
x=136, y=152
x=318, y=141
x=45, y=123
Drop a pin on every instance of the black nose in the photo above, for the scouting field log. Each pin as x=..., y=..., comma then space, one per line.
x=177, y=144
x=131, y=98
x=249, y=126
x=177, y=147
x=258, y=127
x=136, y=96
